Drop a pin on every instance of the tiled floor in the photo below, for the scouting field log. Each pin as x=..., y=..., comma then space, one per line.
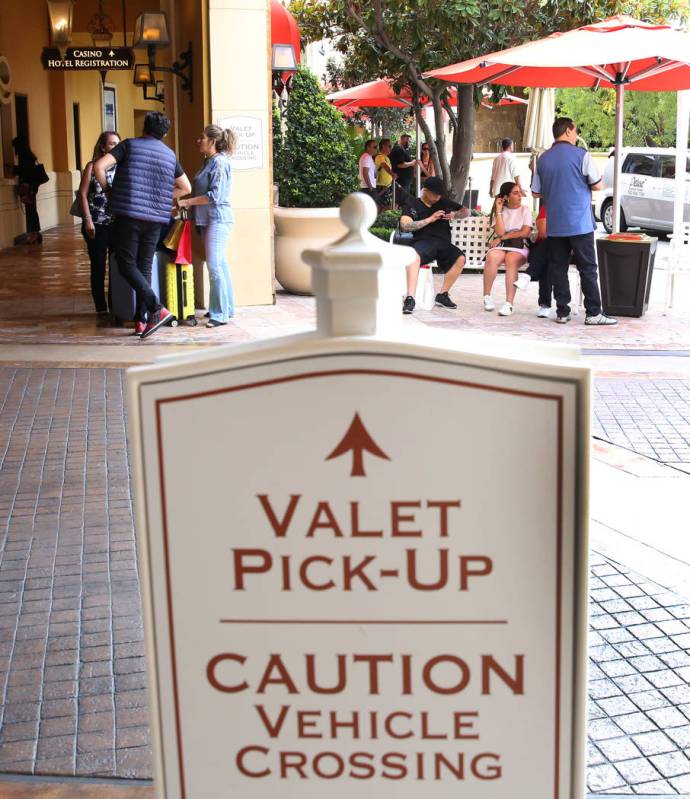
x=72, y=680
x=651, y=417
x=48, y=301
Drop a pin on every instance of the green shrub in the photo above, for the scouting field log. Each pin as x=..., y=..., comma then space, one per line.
x=317, y=167
x=388, y=219
x=277, y=137
x=382, y=232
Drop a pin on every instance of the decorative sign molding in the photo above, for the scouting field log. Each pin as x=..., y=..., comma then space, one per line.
x=249, y=153
x=364, y=561
x=98, y=58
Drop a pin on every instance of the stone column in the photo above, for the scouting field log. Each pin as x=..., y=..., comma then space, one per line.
x=239, y=37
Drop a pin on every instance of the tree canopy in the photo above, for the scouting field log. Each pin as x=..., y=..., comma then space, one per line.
x=650, y=117
x=401, y=39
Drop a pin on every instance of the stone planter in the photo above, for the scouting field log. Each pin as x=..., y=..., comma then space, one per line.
x=299, y=229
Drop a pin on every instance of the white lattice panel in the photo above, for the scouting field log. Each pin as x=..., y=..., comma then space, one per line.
x=472, y=236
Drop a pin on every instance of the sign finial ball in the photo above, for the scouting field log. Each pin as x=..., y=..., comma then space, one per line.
x=358, y=212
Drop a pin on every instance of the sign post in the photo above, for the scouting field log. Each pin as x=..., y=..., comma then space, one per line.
x=365, y=573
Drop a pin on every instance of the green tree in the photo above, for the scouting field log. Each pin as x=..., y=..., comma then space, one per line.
x=402, y=39
x=649, y=116
x=317, y=166
x=277, y=135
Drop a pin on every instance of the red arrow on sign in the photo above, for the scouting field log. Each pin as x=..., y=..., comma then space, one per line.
x=358, y=441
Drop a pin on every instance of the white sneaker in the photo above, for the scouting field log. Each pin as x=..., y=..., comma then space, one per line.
x=488, y=303
x=600, y=319
x=523, y=281
x=506, y=309
x=544, y=313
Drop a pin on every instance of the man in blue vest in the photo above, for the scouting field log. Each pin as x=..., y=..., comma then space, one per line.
x=147, y=181
x=565, y=177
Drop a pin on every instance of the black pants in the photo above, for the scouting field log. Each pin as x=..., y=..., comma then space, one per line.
x=134, y=243
x=538, y=269
x=582, y=248
x=98, y=248
x=33, y=223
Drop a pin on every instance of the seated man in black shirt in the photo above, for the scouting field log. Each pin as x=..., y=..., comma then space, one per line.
x=428, y=219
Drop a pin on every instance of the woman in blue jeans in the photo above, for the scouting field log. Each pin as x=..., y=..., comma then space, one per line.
x=210, y=203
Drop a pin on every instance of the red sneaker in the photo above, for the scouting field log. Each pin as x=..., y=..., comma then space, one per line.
x=139, y=328
x=160, y=318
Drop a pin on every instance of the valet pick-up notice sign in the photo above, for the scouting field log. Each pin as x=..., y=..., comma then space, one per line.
x=363, y=574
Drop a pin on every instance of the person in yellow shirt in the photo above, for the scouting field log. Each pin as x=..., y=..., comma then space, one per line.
x=384, y=172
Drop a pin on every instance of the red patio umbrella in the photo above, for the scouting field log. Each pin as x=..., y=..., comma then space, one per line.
x=620, y=52
x=374, y=94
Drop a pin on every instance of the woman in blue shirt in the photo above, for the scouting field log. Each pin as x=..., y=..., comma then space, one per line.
x=213, y=216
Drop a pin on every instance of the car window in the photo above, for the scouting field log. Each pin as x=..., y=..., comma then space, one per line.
x=640, y=164
x=668, y=166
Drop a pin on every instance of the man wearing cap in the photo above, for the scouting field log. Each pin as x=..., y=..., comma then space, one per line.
x=428, y=219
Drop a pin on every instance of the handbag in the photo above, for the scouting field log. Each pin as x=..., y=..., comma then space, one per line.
x=424, y=296
x=39, y=175
x=75, y=209
x=171, y=241
x=517, y=243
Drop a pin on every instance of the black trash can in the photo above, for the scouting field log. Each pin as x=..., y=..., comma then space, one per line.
x=625, y=274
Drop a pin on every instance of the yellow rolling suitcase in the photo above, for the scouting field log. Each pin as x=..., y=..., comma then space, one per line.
x=179, y=293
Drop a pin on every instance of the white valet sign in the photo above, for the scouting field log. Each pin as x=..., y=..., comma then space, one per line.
x=363, y=555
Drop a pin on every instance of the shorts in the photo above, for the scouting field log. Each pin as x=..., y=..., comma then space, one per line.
x=443, y=252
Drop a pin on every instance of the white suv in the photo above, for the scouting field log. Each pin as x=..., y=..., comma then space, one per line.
x=646, y=190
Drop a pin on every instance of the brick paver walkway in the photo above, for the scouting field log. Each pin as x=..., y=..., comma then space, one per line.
x=639, y=685
x=71, y=641
x=72, y=681
x=651, y=417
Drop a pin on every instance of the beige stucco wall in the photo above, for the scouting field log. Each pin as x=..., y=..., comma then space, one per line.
x=240, y=85
x=50, y=106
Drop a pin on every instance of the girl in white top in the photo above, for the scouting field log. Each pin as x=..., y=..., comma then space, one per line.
x=510, y=220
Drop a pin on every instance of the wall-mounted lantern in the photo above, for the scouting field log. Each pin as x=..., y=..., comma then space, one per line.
x=143, y=76
x=151, y=32
x=283, y=58
x=60, y=12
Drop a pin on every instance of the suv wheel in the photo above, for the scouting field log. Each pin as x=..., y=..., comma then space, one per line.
x=607, y=217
